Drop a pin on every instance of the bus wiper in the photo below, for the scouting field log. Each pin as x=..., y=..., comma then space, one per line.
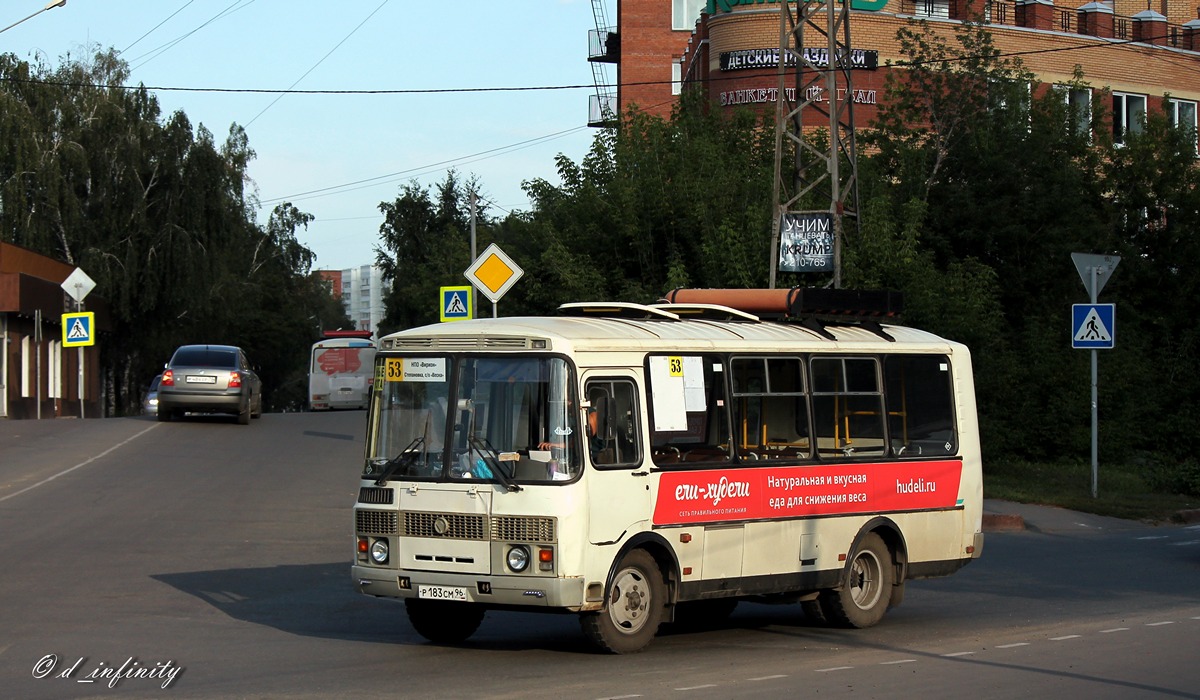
x=488, y=455
x=402, y=460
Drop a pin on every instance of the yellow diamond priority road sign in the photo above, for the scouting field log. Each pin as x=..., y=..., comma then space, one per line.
x=493, y=273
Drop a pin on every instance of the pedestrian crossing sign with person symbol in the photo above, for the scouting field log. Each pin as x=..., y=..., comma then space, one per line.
x=456, y=303
x=1093, y=326
x=79, y=329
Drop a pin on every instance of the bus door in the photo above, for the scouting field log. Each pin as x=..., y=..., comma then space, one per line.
x=618, y=479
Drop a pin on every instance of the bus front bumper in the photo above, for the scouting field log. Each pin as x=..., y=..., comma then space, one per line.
x=500, y=591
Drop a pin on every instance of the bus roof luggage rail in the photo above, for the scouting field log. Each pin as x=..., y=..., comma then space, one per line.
x=615, y=309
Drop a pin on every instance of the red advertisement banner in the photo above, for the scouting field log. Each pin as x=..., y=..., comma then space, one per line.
x=713, y=495
x=339, y=360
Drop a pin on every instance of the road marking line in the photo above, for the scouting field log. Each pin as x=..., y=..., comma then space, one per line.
x=834, y=668
x=1153, y=537
x=1160, y=624
x=1069, y=636
x=768, y=678
x=81, y=464
x=901, y=661
x=959, y=653
x=1185, y=544
x=699, y=687
x=1115, y=629
x=1010, y=646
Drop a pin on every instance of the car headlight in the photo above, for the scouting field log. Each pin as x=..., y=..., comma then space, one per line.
x=518, y=559
x=379, y=551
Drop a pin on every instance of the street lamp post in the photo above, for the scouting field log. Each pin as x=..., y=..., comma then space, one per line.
x=49, y=6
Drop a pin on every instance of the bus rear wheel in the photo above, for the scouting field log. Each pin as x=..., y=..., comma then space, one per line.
x=863, y=597
x=634, y=608
x=443, y=622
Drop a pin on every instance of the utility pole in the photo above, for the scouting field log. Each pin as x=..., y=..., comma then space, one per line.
x=820, y=83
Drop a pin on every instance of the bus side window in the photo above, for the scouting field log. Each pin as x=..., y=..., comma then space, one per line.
x=920, y=405
x=770, y=408
x=613, y=423
x=847, y=407
x=688, y=410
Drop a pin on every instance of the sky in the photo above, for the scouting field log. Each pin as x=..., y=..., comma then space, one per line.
x=495, y=90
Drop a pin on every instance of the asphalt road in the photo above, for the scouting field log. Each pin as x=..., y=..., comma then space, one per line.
x=203, y=559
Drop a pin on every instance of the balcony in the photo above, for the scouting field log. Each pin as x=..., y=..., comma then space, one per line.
x=602, y=109
x=604, y=45
x=1009, y=13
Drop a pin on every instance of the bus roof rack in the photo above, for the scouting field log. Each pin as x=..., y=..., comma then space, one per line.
x=812, y=308
x=798, y=302
x=339, y=333
x=615, y=309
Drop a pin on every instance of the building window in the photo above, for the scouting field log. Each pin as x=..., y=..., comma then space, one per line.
x=1129, y=115
x=677, y=77
x=1079, y=108
x=685, y=13
x=1182, y=115
x=933, y=8
x=27, y=351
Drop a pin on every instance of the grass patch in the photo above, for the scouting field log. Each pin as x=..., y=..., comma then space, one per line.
x=1123, y=491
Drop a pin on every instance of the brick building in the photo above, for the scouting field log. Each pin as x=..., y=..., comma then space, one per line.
x=726, y=47
x=39, y=377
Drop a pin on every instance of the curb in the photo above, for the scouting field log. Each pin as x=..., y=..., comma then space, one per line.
x=996, y=522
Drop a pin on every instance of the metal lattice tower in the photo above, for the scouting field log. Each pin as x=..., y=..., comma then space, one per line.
x=820, y=82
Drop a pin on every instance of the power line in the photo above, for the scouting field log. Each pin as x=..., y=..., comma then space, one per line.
x=314, y=67
x=421, y=170
x=155, y=53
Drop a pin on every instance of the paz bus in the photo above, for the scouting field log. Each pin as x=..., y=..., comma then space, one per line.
x=641, y=464
x=340, y=368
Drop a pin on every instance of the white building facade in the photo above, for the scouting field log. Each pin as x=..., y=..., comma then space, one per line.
x=361, y=293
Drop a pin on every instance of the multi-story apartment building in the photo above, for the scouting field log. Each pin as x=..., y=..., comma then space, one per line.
x=1136, y=50
x=360, y=290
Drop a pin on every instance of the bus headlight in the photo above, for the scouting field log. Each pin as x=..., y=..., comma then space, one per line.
x=518, y=559
x=379, y=551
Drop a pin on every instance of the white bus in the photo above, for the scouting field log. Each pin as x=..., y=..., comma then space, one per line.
x=641, y=464
x=340, y=369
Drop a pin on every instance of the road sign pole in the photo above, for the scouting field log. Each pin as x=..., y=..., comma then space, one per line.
x=1095, y=271
x=1095, y=402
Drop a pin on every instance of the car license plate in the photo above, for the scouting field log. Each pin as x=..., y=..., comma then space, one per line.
x=444, y=593
x=201, y=380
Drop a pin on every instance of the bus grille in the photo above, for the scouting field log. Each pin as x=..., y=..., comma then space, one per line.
x=452, y=526
x=375, y=522
x=375, y=496
x=517, y=529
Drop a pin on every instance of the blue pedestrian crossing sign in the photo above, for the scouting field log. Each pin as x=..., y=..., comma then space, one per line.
x=456, y=304
x=1093, y=326
x=79, y=329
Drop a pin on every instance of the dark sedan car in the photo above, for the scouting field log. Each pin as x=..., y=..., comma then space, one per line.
x=210, y=379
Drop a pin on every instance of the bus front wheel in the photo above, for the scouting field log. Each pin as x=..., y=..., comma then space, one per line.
x=443, y=622
x=863, y=597
x=634, y=608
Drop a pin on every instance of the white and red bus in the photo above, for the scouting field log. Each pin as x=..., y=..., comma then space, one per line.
x=340, y=368
x=638, y=464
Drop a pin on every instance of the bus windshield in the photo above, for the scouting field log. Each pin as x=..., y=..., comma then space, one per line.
x=508, y=420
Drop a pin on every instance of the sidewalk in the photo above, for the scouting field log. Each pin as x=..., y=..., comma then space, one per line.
x=1007, y=516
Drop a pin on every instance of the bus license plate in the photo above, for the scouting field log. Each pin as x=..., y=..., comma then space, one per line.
x=444, y=593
